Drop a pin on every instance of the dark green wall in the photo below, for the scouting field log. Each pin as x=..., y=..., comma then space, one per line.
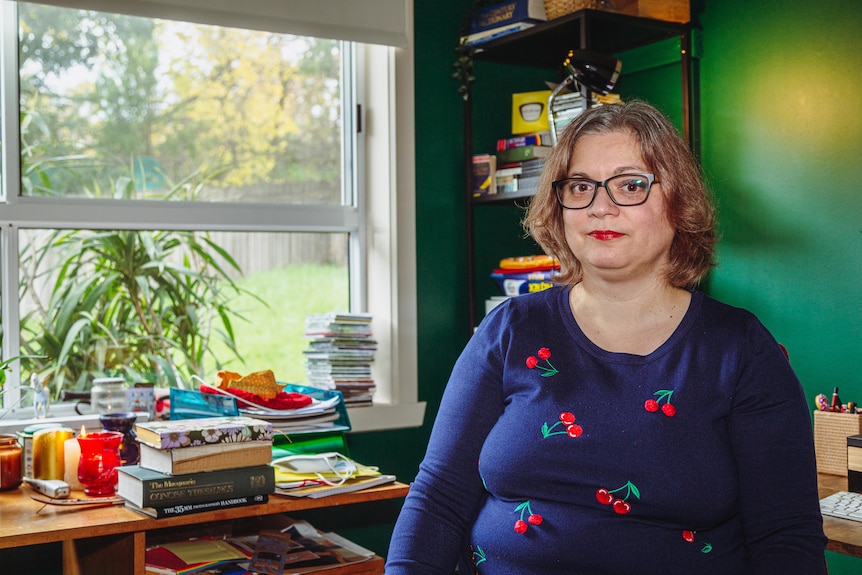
x=781, y=114
x=782, y=136
x=781, y=122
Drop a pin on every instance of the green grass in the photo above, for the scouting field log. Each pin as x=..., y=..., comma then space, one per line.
x=272, y=337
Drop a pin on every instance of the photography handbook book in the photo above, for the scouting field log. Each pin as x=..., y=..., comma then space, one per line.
x=148, y=488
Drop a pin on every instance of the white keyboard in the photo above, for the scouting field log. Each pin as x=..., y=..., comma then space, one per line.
x=843, y=504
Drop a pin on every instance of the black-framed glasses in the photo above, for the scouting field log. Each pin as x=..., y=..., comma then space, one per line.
x=623, y=189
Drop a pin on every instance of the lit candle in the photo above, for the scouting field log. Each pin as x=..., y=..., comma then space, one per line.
x=48, y=447
x=71, y=458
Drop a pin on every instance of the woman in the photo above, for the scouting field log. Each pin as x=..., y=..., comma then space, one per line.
x=621, y=422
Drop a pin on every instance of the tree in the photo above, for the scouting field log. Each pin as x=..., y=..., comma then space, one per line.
x=177, y=98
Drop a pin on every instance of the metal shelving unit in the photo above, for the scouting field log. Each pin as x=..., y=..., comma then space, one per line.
x=544, y=46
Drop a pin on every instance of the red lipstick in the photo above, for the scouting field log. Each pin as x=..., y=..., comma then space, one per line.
x=604, y=235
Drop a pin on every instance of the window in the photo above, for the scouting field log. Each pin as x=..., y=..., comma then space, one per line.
x=229, y=166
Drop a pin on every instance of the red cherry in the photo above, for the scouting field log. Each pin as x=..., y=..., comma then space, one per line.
x=520, y=526
x=567, y=418
x=688, y=535
x=604, y=496
x=532, y=361
x=544, y=353
x=651, y=405
x=574, y=430
x=668, y=409
x=622, y=507
x=535, y=519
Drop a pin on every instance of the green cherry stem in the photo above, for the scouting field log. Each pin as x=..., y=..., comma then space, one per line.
x=630, y=488
x=547, y=372
x=525, y=506
x=546, y=431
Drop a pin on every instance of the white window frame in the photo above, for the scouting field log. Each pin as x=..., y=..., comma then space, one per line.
x=382, y=222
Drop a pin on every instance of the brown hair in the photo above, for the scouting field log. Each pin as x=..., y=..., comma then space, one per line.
x=689, y=206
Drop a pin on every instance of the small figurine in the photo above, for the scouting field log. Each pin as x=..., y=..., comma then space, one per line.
x=41, y=396
x=822, y=402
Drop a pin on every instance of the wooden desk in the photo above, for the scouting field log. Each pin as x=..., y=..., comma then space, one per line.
x=845, y=536
x=112, y=540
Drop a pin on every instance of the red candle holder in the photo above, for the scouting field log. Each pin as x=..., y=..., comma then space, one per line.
x=100, y=457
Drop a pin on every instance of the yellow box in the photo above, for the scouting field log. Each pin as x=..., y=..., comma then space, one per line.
x=530, y=112
x=670, y=10
x=831, y=431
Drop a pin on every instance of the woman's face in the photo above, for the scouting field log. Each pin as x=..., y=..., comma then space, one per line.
x=616, y=243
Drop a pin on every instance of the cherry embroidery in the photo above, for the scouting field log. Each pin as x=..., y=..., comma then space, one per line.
x=532, y=518
x=689, y=535
x=478, y=555
x=620, y=506
x=652, y=405
x=567, y=419
x=544, y=354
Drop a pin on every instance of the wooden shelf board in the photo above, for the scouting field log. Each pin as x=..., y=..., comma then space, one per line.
x=24, y=522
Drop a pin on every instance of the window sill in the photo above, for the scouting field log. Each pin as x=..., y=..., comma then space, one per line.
x=382, y=416
x=378, y=417
x=59, y=413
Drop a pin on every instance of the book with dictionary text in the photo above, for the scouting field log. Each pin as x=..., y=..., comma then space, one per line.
x=507, y=13
x=148, y=488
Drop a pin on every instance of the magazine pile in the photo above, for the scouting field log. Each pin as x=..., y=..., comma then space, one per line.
x=339, y=355
x=318, y=475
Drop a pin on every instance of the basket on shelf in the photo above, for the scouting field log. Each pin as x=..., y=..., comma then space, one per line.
x=830, y=439
x=558, y=8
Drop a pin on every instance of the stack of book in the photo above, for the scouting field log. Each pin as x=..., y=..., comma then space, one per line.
x=502, y=19
x=525, y=274
x=520, y=177
x=194, y=465
x=258, y=546
x=541, y=138
x=567, y=107
x=339, y=355
x=204, y=555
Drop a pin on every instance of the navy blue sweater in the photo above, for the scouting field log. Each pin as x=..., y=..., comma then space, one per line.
x=551, y=456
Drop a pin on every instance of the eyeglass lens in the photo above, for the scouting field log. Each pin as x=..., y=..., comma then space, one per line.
x=624, y=190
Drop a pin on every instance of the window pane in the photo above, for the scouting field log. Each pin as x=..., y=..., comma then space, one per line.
x=160, y=305
x=123, y=107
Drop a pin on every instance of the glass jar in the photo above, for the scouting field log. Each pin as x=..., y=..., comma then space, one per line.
x=10, y=462
x=108, y=395
x=100, y=457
